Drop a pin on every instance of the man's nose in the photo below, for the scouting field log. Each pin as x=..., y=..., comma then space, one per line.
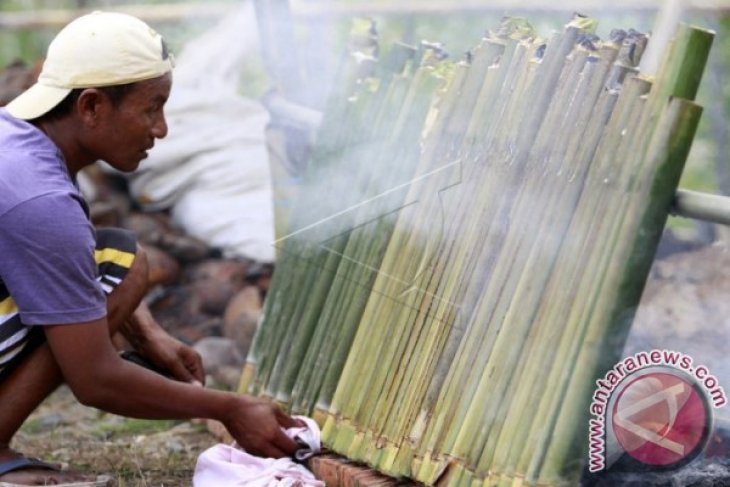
x=159, y=130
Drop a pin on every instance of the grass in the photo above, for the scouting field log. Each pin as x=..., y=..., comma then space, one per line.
x=137, y=452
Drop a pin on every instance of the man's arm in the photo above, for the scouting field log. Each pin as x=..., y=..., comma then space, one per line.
x=100, y=378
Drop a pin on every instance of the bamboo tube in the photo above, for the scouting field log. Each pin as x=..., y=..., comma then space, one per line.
x=403, y=270
x=343, y=400
x=454, y=387
x=690, y=48
x=395, y=407
x=423, y=87
x=669, y=148
x=553, y=66
x=574, y=263
x=588, y=234
x=308, y=380
x=550, y=118
x=537, y=246
x=484, y=114
x=538, y=254
x=541, y=341
x=291, y=363
x=444, y=301
x=308, y=260
x=312, y=260
x=512, y=258
x=332, y=135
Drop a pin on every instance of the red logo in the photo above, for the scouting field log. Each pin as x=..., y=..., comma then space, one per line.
x=661, y=419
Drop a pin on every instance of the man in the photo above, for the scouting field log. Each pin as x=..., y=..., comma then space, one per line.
x=65, y=291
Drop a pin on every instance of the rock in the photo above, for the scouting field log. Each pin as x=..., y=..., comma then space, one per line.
x=148, y=227
x=215, y=282
x=105, y=214
x=210, y=327
x=218, y=352
x=228, y=376
x=157, y=229
x=183, y=247
x=241, y=318
x=178, y=306
x=163, y=268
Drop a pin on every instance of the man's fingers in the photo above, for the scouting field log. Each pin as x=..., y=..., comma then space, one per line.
x=285, y=444
x=181, y=373
x=194, y=364
x=285, y=420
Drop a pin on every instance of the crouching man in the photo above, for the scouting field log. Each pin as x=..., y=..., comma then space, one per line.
x=65, y=290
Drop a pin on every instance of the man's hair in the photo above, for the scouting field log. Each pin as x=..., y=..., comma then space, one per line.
x=116, y=95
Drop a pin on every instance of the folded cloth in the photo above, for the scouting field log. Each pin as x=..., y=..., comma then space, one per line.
x=229, y=465
x=307, y=436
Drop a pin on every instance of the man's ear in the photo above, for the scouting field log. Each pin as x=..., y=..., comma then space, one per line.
x=89, y=106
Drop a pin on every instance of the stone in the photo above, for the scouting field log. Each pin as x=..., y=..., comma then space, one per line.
x=217, y=352
x=163, y=268
x=241, y=317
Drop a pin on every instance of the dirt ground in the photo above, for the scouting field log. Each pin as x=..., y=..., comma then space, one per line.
x=136, y=452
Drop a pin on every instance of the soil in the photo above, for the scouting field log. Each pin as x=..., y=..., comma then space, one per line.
x=136, y=452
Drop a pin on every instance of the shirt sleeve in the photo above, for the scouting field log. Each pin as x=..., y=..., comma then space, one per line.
x=47, y=261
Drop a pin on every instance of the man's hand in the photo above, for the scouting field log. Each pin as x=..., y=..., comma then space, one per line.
x=256, y=425
x=173, y=356
x=164, y=351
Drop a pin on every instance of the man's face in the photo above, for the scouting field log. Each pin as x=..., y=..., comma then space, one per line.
x=130, y=129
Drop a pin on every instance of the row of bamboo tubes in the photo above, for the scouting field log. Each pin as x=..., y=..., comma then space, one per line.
x=470, y=244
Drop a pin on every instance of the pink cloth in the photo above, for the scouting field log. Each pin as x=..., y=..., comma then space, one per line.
x=230, y=465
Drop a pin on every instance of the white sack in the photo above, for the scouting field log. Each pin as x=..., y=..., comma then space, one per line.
x=212, y=169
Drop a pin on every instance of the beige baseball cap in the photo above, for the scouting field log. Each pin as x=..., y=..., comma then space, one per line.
x=95, y=50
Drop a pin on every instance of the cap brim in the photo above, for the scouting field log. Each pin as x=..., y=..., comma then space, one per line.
x=36, y=101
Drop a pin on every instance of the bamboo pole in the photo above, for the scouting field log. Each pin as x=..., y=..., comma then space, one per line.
x=357, y=66
x=660, y=169
x=541, y=343
x=346, y=398
x=530, y=190
x=326, y=287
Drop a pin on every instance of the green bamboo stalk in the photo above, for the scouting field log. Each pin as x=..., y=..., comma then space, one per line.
x=531, y=200
x=554, y=57
x=488, y=199
x=308, y=384
x=290, y=364
x=332, y=136
x=356, y=273
x=574, y=265
x=566, y=168
x=436, y=321
x=409, y=310
x=544, y=335
x=669, y=149
x=394, y=407
x=345, y=400
x=689, y=51
x=305, y=246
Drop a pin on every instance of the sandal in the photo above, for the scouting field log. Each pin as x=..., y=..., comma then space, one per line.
x=22, y=463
